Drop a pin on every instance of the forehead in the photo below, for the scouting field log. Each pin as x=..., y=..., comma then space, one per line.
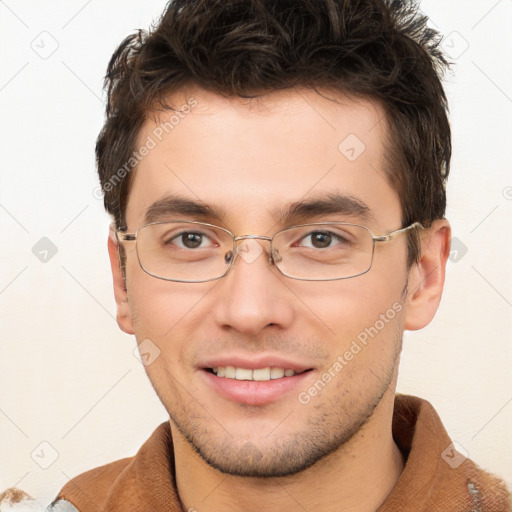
x=251, y=156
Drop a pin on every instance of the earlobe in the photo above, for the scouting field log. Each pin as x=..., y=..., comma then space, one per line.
x=426, y=278
x=124, y=316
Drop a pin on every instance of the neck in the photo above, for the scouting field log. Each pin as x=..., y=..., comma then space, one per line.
x=357, y=477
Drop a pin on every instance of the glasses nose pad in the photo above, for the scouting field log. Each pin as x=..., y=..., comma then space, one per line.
x=228, y=257
x=274, y=257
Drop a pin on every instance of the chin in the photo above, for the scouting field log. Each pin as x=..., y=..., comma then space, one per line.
x=261, y=459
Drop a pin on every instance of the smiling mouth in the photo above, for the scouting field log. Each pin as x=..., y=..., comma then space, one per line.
x=258, y=374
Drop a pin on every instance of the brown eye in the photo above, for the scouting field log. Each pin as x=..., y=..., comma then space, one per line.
x=323, y=240
x=320, y=240
x=191, y=240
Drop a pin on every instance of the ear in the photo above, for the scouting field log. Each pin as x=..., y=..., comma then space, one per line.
x=124, y=315
x=426, y=278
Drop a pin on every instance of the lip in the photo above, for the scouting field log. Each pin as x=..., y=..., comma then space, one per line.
x=255, y=362
x=250, y=392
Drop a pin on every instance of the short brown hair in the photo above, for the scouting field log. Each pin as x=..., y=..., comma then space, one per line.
x=380, y=49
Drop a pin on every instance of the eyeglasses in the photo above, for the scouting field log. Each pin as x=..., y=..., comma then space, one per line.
x=197, y=252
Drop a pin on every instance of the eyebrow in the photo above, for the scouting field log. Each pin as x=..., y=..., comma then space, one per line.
x=332, y=204
x=177, y=205
x=299, y=211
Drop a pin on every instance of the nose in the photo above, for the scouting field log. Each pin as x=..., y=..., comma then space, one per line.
x=252, y=295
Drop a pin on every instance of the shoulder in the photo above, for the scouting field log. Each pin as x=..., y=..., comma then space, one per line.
x=444, y=478
x=94, y=485
x=124, y=484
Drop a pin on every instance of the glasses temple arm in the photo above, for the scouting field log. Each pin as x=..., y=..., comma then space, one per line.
x=394, y=234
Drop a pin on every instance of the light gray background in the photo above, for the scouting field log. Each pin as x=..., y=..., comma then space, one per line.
x=68, y=376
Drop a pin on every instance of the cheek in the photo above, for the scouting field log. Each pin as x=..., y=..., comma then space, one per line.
x=346, y=308
x=164, y=311
x=365, y=351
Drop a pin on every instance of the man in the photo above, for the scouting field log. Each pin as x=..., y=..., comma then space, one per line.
x=276, y=174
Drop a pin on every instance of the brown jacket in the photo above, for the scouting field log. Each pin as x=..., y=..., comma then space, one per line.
x=435, y=478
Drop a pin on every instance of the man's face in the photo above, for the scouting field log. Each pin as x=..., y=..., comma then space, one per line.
x=250, y=160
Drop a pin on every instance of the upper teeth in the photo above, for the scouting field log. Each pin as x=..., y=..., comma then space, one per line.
x=232, y=372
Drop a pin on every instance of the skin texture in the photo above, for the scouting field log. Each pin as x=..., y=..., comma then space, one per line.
x=250, y=158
